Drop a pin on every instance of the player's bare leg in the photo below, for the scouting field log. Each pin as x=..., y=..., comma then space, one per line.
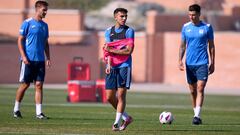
x=38, y=100
x=121, y=96
x=122, y=92
x=21, y=91
x=111, y=98
x=199, y=102
x=19, y=96
x=38, y=92
x=193, y=92
x=121, y=103
x=200, y=92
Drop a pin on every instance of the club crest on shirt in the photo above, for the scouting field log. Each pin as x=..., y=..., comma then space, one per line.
x=201, y=31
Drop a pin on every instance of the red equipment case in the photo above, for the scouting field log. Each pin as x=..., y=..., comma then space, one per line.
x=78, y=70
x=81, y=91
x=100, y=90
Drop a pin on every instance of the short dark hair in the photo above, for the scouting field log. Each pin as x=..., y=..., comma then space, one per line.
x=123, y=10
x=195, y=7
x=40, y=3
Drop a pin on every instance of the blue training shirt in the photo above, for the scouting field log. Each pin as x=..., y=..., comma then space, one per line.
x=196, y=38
x=129, y=34
x=36, y=35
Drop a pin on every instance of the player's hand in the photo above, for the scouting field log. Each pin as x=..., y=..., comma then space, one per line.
x=211, y=69
x=48, y=63
x=25, y=61
x=107, y=70
x=106, y=48
x=181, y=66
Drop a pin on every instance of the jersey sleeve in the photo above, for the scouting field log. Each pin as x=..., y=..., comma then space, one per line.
x=183, y=34
x=130, y=33
x=210, y=33
x=24, y=29
x=107, y=35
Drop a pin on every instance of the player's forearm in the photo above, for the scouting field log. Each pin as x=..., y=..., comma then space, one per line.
x=109, y=61
x=120, y=52
x=20, y=47
x=47, y=51
x=126, y=51
x=182, y=51
x=212, y=53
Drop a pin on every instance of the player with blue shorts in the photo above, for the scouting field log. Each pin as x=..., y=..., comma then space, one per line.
x=197, y=39
x=33, y=46
x=118, y=78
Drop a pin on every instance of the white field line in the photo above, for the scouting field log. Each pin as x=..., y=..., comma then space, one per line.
x=34, y=133
x=141, y=106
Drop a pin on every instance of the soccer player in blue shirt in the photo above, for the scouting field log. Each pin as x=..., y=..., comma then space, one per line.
x=197, y=38
x=118, y=78
x=32, y=44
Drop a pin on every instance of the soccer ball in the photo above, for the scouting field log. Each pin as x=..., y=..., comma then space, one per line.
x=166, y=118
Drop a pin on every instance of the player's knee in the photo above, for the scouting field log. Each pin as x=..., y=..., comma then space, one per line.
x=193, y=92
x=121, y=97
x=26, y=85
x=109, y=98
x=200, y=90
x=38, y=85
x=22, y=88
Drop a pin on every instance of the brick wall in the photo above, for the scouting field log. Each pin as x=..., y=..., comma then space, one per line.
x=13, y=4
x=183, y=4
x=60, y=57
x=227, y=64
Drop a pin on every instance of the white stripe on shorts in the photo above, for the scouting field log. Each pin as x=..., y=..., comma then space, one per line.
x=22, y=71
x=128, y=77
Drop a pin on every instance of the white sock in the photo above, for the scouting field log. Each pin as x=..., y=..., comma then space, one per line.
x=16, y=106
x=197, y=111
x=124, y=116
x=118, y=117
x=38, y=109
x=194, y=110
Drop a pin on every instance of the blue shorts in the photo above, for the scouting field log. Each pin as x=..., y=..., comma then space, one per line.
x=35, y=71
x=118, y=78
x=195, y=73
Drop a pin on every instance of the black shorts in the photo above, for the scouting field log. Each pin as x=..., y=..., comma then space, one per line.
x=35, y=71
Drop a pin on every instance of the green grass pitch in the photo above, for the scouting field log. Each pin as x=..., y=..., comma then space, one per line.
x=220, y=114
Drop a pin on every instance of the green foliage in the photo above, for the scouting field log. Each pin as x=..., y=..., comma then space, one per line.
x=85, y=5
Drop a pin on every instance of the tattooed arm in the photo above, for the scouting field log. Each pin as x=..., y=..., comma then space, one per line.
x=212, y=56
x=182, y=50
